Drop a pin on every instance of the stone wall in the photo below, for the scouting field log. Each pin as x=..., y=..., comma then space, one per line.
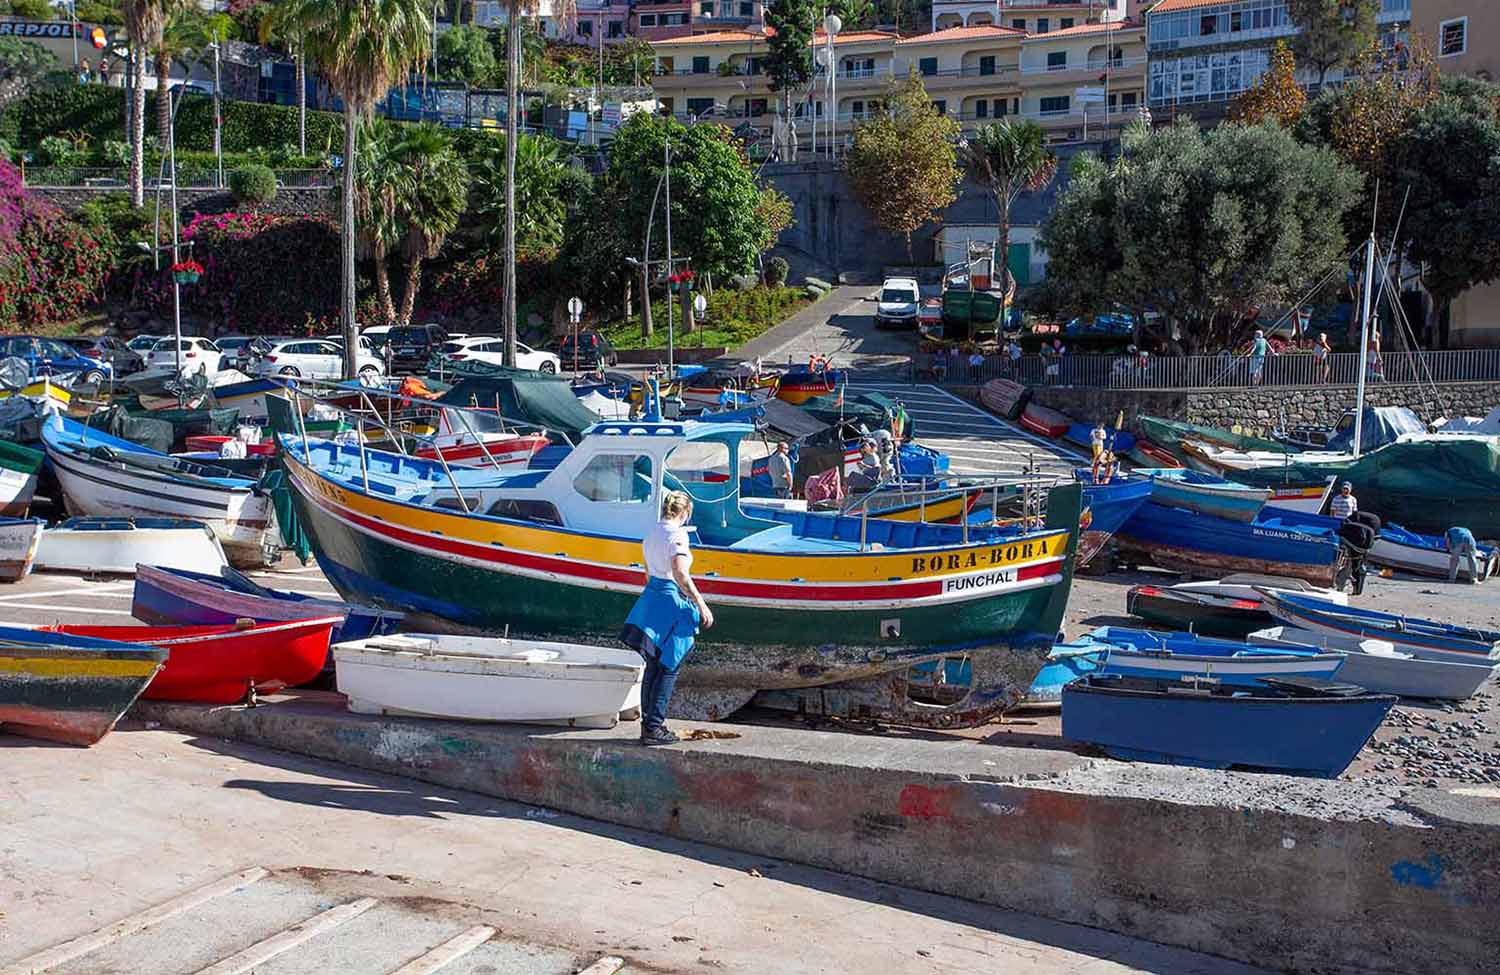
x=1256, y=410
x=293, y=201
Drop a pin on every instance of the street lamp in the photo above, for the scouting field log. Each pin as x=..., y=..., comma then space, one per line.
x=831, y=27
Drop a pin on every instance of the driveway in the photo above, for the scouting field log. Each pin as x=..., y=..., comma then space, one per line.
x=840, y=326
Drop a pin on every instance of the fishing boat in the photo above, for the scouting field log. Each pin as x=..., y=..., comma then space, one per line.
x=19, y=468
x=1106, y=509
x=178, y=597
x=487, y=449
x=248, y=397
x=1276, y=543
x=1297, y=726
x=19, y=538
x=1227, y=462
x=44, y=391
x=1005, y=397
x=1169, y=435
x=1427, y=555
x=223, y=664
x=1047, y=422
x=1082, y=434
x=1424, y=639
x=1231, y=606
x=1378, y=666
x=114, y=545
x=1148, y=454
x=800, y=384
x=557, y=553
x=69, y=689
x=104, y=475
x=1193, y=491
x=482, y=679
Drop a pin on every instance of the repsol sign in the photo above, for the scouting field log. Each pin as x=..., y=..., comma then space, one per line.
x=35, y=28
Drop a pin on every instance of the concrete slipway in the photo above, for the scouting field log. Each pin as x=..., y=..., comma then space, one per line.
x=1280, y=872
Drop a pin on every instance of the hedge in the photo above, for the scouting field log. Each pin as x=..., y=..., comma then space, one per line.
x=98, y=113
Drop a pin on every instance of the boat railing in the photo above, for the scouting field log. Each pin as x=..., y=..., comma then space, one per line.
x=924, y=489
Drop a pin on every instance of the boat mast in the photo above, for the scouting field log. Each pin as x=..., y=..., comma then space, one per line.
x=1364, y=342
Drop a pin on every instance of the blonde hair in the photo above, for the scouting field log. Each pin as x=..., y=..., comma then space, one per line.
x=676, y=504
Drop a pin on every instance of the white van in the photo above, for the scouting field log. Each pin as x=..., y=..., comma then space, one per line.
x=898, y=303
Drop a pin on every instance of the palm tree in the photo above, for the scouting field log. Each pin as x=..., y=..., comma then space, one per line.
x=435, y=185
x=178, y=37
x=1010, y=158
x=144, y=22
x=377, y=189
x=361, y=47
x=540, y=212
x=276, y=25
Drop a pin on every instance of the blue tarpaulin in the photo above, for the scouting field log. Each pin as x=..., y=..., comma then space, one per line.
x=1381, y=425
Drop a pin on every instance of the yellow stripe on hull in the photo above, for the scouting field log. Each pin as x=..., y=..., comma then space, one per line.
x=865, y=567
x=944, y=509
x=77, y=667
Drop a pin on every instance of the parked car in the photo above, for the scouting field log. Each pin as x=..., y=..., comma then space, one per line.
x=106, y=348
x=314, y=359
x=143, y=343
x=237, y=351
x=488, y=349
x=412, y=345
x=377, y=334
x=594, y=351
x=49, y=357
x=196, y=352
x=898, y=303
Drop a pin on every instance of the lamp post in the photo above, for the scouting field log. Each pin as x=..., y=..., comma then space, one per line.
x=831, y=27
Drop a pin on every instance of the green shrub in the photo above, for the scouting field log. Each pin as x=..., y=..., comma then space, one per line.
x=776, y=271
x=55, y=150
x=253, y=126
x=253, y=186
x=96, y=112
x=113, y=152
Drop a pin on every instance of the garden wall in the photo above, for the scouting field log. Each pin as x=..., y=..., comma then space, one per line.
x=290, y=201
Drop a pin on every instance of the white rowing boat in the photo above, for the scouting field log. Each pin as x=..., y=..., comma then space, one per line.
x=116, y=545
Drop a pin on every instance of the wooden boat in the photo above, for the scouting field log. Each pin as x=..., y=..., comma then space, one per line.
x=1005, y=398
x=104, y=475
x=19, y=538
x=1106, y=509
x=178, y=597
x=556, y=553
x=1276, y=543
x=19, y=468
x=1231, y=606
x=115, y=545
x=1209, y=495
x=69, y=689
x=1427, y=555
x=1225, y=461
x=1424, y=639
x=504, y=450
x=44, y=391
x=481, y=679
x=1082, y=435
x=1171, y=433
x=1148, y=454
x=248, y=396
x=801, y=384
x=1377, y=666
x=224, y=664
x=1311, y=498
x=1297, y=726
x=1047, y=422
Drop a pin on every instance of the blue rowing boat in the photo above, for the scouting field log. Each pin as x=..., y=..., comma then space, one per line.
x=1082, y=435
x=1106, y=508
x=1425, y=639
x=1294, y=725
x=1277, y=543
x=1194, y=491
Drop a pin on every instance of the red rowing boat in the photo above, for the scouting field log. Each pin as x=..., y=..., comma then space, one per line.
x=219, y=664
x=504, y=449
x=1049, y=423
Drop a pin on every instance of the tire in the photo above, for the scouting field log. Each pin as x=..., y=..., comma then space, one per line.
x=288, y=371
x=369, y=371
x=93, y=376
x=547, y=367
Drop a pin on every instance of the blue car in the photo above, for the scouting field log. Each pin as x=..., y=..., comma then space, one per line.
x=49, y=357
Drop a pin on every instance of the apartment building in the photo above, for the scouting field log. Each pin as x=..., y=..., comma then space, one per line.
x=1204, y=53
x=1465, y=35
x=1078, y=82
x=1031, y=16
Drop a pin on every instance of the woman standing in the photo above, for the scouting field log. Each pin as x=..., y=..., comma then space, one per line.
x=665, y=619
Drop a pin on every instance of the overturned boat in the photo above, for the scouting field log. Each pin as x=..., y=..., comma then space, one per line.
x=840, y=603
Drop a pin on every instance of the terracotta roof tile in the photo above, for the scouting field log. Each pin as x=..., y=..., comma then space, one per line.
x=1167, y=6
x=1113, y=28
x=962, y=33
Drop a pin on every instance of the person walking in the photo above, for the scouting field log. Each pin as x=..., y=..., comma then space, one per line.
x=666, y=618
x=780, y=466
x=1461, y=545
x=1344, y=503
x=940, y=365
x=1373, y=358
x=1096, y=441
x=85, y=76
x=1013, y=350
x=1259, y=349
x=976, y=365
x=1321, y=361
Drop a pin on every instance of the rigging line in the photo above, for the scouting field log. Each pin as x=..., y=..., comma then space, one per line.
x=1399, y=314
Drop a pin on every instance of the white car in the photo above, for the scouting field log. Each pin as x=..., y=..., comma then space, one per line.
x=143, y=343
x=898, y=304
x=315, y=359
x=491, y=350
x=196, y=352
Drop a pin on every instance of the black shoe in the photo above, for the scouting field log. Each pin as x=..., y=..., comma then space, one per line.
x=658, y=736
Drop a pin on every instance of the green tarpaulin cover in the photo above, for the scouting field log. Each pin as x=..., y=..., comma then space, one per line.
x=524, y=396
x=292, y=536
x=1166, y=433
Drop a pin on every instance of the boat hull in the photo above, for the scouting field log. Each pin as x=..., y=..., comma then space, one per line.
x=1197, y=544
x=19, y=539
x=1041, y=420
x=69, y=695
x=780, y=623
x=1407, y=554
x=1390, y=673
x=116, y=545
x=1220, y=617
x=1315, y=736
x=17, y=488
x=1222, y=501
x=1106, y=509
x=1421, y=639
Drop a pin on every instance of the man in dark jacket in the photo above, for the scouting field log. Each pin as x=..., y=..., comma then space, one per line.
x=1357, y=534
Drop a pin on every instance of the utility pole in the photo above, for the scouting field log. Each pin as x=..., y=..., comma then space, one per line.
x=671, y=336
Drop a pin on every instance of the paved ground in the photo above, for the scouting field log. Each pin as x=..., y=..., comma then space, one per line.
x=93, y=837
x=842, y=327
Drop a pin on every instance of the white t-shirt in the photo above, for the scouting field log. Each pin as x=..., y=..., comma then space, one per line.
x=662, y=544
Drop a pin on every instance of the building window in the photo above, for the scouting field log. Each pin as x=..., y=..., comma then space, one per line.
x=1065, y=22
x=1019, y=23
x=616, y=29
x=941, y=106
x=665, y=66
x=753, y=66
x=1056, y=105
x=1001, y=109
x=1127, y=100
x=987, y=64
x=981, y=109
x=1208, y=24
x=673, y=20
x=700, y=65
x=1057, y=60
x=1453, y=37
x=616, y=479
x=747, y=10
x=697, y=106
x=859, y=67
x=856, y=109
x=755, y=107
x=928, y=67
x=1043, y=24
x=706, y=9
x=648, y=20
x=586, y=28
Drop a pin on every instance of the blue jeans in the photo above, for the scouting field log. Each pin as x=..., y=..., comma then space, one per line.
x=656, y=694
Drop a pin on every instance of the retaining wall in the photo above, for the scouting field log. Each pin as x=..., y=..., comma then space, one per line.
x=1328, y=877
x=291, y=200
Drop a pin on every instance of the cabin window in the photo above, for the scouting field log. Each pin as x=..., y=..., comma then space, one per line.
x=452, y=503
x=526, y=509
x=616, y=479
x=702, y=460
